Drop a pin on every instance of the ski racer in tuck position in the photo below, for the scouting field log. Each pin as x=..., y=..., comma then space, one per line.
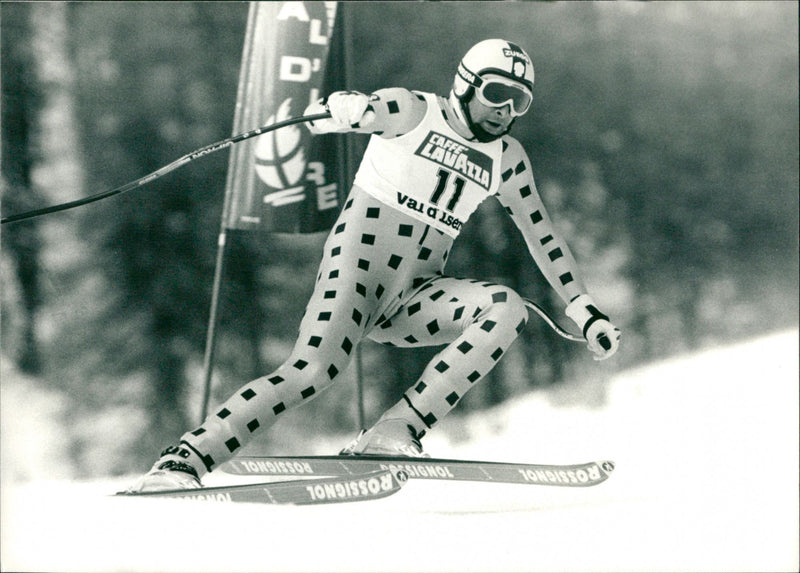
x=430, y=162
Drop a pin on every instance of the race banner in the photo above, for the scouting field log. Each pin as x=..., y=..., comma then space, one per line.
x=286, y=180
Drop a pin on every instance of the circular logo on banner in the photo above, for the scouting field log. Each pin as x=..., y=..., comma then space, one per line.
x=280, y=160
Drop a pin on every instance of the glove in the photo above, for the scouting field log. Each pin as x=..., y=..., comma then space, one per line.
x=347, y=109
x=602, y=336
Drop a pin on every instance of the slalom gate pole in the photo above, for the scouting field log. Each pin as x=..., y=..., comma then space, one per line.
x=180, y=162
x=211, y=332
x=346, y=38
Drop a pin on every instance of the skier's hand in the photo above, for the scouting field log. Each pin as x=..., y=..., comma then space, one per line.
x=601, y=336
x=603, y=339
x=347, y=109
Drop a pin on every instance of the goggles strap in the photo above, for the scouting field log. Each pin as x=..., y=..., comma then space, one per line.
x=469, y=77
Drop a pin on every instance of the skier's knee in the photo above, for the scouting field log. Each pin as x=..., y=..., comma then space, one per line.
x=299, y=380
x=309, y=378
x=507, y=307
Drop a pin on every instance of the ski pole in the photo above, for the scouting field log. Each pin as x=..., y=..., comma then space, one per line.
x=603, y=340
x=217, y=146
x=180, y=162
x=551, y=322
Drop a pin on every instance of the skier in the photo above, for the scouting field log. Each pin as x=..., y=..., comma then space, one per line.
x=430, y=162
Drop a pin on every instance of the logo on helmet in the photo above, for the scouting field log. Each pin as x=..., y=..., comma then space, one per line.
x=465, y=74
x=514, y=53
x=519, y=60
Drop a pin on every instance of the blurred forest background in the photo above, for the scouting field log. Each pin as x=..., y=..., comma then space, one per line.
x=664, y=139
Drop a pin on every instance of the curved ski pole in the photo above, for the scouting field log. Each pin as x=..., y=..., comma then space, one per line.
x=180, y=162
x=602, y=339
x=551, y=322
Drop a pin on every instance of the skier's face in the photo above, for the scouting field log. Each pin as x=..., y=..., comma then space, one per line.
x=494, y=120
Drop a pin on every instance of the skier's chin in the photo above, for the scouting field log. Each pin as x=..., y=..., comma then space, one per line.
x=493, y=127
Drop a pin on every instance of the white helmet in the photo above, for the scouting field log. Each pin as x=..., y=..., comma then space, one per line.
x=492, y=58
x=499, y=57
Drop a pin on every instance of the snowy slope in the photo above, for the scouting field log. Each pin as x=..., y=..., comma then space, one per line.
x=707, y=480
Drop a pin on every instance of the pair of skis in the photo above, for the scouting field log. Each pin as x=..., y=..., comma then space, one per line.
x=336, y=479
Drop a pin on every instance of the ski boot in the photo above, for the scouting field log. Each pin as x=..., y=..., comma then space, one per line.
x=170, y=471
x=393, y=437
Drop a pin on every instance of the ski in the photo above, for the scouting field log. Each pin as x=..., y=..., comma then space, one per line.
x=341, y=488
x=577, y=475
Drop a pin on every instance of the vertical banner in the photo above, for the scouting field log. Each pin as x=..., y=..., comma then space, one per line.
x=286, y=180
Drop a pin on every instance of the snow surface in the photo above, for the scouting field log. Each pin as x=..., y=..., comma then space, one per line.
x=706, y=448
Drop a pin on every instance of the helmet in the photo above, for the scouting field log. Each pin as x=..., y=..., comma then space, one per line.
x=491, y=57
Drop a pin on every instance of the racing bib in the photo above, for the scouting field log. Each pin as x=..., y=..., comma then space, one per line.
x=431, y=173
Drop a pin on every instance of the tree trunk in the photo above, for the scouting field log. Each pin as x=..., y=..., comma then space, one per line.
x=21, y=243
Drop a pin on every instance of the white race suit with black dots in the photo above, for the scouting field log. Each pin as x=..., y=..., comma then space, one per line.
x=381, y=274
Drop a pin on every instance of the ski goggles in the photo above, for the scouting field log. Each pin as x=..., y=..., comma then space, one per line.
x=497, y=91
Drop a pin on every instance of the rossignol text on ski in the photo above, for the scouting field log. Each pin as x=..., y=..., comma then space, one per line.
x=572, y=475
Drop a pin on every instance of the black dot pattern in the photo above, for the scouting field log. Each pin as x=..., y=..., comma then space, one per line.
x=477, y=320
x=520, y=198
x=381, y=276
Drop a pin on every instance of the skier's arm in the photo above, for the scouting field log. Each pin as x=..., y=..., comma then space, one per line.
x=519, y=196
x=388, y=112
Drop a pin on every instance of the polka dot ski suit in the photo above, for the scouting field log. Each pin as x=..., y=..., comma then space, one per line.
x=381, y=277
